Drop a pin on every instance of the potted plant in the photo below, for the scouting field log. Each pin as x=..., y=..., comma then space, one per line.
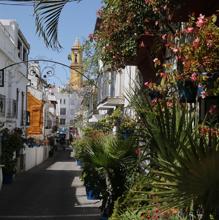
x=12, y=142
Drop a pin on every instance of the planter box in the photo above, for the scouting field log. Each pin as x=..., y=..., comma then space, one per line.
x=1, y=176
x=79, y=163
x=8, y=178
x=90, y=194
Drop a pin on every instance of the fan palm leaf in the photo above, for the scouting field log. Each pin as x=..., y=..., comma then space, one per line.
x=47, y=14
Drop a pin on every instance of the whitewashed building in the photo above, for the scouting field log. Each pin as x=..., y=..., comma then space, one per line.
x=14, y=48
x=112, y=90
x=68, y=105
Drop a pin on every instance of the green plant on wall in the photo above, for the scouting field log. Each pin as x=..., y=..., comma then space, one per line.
x=182, y=172
x=12, y=142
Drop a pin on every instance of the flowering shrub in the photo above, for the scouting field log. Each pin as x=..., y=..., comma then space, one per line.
x=118, y=32
x=196, y=48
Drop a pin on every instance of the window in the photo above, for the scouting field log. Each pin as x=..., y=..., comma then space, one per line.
x=19, y=47
x=62, y=121
x=17, y=100
x=60, y=101
x=62, y=111
x=27, y=118
x=64, y=101
x=24, y=54
x=72, y=101
x=76, y=57
x=72, y=111
x=14, y=108
x=22, y=108
x=2, y=105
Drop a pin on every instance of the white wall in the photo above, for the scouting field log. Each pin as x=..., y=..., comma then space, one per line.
x=35, y=156
x=15, y=77
x=72, y=105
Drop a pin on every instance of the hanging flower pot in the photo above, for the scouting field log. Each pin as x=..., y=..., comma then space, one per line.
x=187, y=91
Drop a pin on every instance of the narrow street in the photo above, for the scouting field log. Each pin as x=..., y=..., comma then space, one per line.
x=52, y=190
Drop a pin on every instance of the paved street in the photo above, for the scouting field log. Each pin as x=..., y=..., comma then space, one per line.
x=52, y=190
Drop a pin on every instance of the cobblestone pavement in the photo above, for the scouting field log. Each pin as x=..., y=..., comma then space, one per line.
x=51, y=190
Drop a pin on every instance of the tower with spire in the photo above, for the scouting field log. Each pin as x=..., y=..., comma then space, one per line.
x=76, y=66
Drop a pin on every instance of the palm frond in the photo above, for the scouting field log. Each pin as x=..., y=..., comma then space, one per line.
x=47, y=13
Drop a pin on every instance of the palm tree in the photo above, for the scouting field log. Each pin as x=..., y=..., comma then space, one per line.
x=47, y=13
x=185, y=162
x=115, y=158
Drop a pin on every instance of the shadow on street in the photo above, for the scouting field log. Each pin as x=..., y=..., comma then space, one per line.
x=47, y=191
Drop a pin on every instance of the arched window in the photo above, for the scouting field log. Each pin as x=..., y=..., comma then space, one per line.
x=76, y=58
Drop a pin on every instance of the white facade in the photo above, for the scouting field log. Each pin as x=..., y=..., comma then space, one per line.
x=68, y=105
x=14, y=48
x=50, y=112
x=113, y=89
x=114, y=86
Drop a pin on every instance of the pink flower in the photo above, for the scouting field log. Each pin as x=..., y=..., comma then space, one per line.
x=213, y=110
x=193, y=77
x=209, y=43
x=196, y=43
x=169, y=104
x=201, y=20
x=162, y=74
x=156, y=61
x=189, y=29
x=165, y=7
x=164, y=36
x=175, y=50
x=203, y=94
x=146, y=84
x=154, y=102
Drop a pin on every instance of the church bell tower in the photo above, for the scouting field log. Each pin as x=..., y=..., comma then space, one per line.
x=76, y=66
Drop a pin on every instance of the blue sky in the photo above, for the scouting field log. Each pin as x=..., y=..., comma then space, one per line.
x=77, y=21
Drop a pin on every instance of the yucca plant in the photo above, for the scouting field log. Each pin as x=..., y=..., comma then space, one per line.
x=184, y=164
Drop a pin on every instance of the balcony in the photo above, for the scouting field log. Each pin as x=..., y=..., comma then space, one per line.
x=111, y=102
x=111, y=90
